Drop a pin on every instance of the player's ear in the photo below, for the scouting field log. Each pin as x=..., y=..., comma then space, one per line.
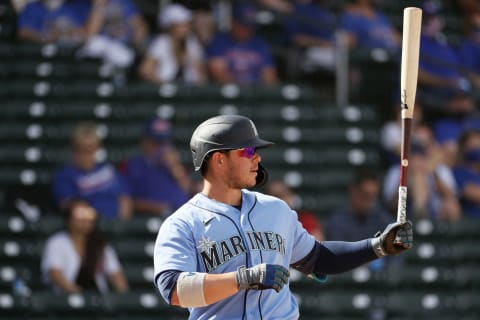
x=218, y=158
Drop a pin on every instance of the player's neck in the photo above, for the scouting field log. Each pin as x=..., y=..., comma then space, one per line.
x=222, y=194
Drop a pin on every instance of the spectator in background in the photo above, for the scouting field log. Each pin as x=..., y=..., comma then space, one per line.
x=363, y=215
x=99, y=184
x=439, y=78
x=240, y=56
x=311, y=28
x=432, y=187
x=175, y=55
x=113, y=27
x=368, y=28
x=307, y=218
x=56, y=21
x=203, y=20
x=467, y=173
x=448, y=131
x=469, y=50
x=78, y=258
x=158, y=180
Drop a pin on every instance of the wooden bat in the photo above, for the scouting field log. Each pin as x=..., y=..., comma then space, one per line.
x=412, y=23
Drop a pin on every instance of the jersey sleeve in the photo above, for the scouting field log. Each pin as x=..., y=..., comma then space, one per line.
x=302, y=240
x=174, y=247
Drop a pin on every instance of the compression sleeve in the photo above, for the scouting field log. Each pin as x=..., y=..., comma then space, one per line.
x=166, y=282
x=331, y=257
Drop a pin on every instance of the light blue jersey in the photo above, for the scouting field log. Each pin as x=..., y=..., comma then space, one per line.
x=209, y=236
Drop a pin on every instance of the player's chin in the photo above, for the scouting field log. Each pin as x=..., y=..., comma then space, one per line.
x=252, y=181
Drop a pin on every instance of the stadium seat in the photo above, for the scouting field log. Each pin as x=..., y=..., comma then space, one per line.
x=137, y=227
x=20, y=250
x=140, y=276
x=133, y=249
x=419, y=305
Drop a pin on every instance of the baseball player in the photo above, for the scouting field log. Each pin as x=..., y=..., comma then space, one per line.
x=225, y=254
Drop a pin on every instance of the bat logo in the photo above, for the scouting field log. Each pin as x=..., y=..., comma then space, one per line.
x=404, y=100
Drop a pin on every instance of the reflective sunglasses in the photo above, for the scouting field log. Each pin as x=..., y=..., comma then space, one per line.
x=248, y=152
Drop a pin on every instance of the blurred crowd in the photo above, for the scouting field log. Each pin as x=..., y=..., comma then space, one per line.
x=196, y=42
x=199, y=42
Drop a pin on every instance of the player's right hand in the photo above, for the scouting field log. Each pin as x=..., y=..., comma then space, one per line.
x=262, y=276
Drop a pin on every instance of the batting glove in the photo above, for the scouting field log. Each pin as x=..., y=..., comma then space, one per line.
x=262, y=276
x=396, y=237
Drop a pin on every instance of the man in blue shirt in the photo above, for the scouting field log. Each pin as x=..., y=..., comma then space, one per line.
x=239, y=56
x=53, y=21
x=99, y=184
x=158, y=181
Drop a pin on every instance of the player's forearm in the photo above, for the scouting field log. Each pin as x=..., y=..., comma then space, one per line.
x=331, y=257
x=216, y=287
x=219, y=286
x=341, y=256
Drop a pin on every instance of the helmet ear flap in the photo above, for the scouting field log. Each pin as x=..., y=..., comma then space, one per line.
x=262, y=176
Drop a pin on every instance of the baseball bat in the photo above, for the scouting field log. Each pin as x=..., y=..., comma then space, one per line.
x=412, y=23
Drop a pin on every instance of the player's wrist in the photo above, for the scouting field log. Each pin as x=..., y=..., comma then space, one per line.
x=241, y=278
x=377, y=247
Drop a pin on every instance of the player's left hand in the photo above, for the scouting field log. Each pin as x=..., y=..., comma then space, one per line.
x=396, y=237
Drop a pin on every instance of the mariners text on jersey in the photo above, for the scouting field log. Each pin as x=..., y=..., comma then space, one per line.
x=215, y=253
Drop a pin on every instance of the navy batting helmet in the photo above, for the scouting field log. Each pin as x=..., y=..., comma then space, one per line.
x=226, y=133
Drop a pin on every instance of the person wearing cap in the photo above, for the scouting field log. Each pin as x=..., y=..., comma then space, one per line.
x=175, y=54
x=78, y=258
x=158, y=181
x=93, y=181
x=222, y=252
x=239, y=56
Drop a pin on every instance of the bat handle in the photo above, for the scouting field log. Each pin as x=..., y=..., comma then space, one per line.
x=402, y=204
